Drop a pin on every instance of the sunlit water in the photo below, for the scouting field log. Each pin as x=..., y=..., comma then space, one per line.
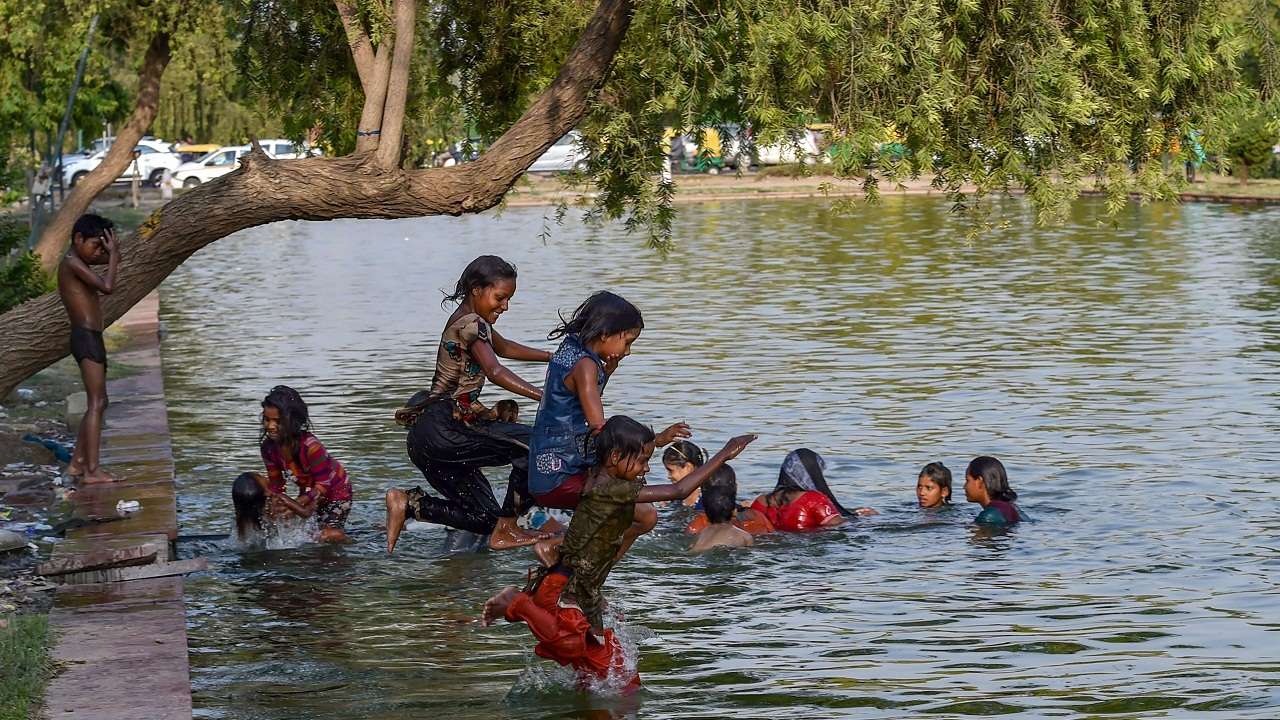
x=1126, y=374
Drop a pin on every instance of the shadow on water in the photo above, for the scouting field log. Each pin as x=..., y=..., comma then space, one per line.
x=1125, y=374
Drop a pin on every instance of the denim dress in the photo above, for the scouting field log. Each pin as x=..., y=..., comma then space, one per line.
x=561, y=445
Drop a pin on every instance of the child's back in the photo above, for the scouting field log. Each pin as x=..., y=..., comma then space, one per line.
x=721, y=535
x=720, y=499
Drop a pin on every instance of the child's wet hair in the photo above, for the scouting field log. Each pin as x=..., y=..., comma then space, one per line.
x=506, y=410
x=941, y=476
x=601, y=314
x=249, y=500
x=294, y=418
x=623, y=436
x=992, y=474
x=684, y=452
x=480, y=273
x=720, y=494
x=89, y=226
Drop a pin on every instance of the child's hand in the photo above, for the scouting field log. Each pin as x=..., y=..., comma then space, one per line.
x=735, y=446
x=109, y=240
x=865, y=511
x=679, y=430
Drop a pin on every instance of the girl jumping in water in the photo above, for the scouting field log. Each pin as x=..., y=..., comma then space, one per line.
x=452, y=435
x=595, y=340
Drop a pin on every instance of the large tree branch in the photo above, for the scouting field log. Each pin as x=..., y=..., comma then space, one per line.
x=397, y=85
x=358, y=39
x=262, y=190
x=56, y=235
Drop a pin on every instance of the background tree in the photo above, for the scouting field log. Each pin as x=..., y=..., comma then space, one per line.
x=997, y=94
x=1252, y=145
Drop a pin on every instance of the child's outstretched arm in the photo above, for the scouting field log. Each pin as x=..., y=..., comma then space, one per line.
x=682, y=489
x=499, y=374
x=513, y=350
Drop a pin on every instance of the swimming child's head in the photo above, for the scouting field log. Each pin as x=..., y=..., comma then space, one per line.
x=507, y=410
x=804, y=469
x=933, y=487
x=623, y=448
x=487, y=283
x=88, y=238
x=284, y=416
x=605, y=323
x=985, y=480
x=680, y=458
x=249, y=500
x=720, y=495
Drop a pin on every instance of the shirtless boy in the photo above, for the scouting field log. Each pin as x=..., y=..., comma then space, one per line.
x=93, y=242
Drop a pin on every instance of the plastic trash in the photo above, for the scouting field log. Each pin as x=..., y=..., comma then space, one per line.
x=62, y=451
x=124, y=507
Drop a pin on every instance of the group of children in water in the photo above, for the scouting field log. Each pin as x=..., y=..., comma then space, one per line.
x=572, y=458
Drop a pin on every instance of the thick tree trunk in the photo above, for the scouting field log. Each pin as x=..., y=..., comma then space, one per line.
x=56, y=235
x=397, y=85
x=262, y=190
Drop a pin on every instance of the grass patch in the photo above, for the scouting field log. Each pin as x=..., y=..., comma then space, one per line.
x=24, y=655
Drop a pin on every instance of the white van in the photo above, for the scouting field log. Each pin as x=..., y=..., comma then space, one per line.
x=227, y=158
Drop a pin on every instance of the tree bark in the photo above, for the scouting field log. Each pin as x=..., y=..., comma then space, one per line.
x=55, y=236
x=358, y=41
x=397, y=85
x=35, y=334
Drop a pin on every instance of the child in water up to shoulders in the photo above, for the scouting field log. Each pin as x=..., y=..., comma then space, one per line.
x=720, y=501
x=933, y=486
x=987, y=484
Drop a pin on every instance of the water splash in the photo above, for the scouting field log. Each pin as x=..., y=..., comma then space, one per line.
x=541, y=676
x=280, y=534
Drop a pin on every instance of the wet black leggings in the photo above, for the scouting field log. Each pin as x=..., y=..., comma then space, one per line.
x=450, y=455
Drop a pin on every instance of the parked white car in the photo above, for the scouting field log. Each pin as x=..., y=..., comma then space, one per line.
x=227, y=158
x=564, y=156
x=154, y=157
x=785, y=151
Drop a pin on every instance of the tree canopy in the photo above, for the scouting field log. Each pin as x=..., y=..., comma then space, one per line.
x=991, y=95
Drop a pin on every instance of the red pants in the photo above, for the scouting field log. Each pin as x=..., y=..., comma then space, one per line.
x=564, y=635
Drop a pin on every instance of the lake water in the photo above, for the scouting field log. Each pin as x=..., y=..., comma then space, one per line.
x=1126, y=374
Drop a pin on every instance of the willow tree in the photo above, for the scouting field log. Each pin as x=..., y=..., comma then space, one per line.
x=993, y=94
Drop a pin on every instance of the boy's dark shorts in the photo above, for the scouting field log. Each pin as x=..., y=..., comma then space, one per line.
x=87, y=344
x=333, y=514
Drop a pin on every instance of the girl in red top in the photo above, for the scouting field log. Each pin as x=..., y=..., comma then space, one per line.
x=291, y=452
x=802, y=500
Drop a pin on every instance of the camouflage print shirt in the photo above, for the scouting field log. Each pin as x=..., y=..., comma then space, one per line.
x=457, y=374
x=591, y=545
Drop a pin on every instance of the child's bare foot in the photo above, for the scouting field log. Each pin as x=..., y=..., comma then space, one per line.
x=506, y=534
x=496, y=606
x=97, y=477
x=397, y=508
x=75, y=468
x=548, y=551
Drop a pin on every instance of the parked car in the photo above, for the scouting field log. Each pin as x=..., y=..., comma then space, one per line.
x=154, y=157
x=786, y=150
x=564, y=156
x=227, y=158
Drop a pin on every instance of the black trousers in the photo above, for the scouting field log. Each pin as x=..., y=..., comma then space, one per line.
x=450, y=455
